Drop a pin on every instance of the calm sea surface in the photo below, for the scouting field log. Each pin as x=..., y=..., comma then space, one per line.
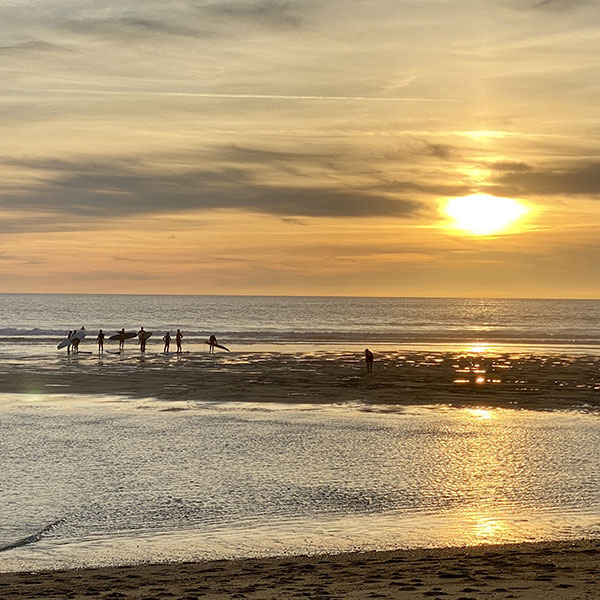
x=250, y=320
x=99, y=480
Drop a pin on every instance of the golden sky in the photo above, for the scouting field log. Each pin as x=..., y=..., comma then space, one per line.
x=298, y=147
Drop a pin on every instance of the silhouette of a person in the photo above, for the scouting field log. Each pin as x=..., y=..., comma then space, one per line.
x=178, y=338
x=122, y=339
x=212, y=341
x=75, y=344
x=100, y=340
x=369, y=360
x=142, y=338
x=69, y=338
x=167, y=341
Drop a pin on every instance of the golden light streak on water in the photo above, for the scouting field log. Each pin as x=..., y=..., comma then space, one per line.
x=481, y=413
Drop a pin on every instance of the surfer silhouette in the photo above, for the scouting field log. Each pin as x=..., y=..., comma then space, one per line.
x=167, y=341
x=100, y=340
x=212, y=342
x=69, y=337
x=178, y=338
x=369, y=360
x=142, y=338
x=122, y=339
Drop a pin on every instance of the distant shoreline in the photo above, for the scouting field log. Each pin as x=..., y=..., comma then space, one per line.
x=325, y=296
x=557, y=570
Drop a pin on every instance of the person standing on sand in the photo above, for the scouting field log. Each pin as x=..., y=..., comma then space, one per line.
x=69, y=338
x=142, y=337
x=212, y=342
x=167, y=341
x=178, y=338
x=369, y=360
x=122, y=339
x=100, y=340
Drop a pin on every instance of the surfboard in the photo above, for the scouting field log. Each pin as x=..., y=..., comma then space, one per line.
x=147, y=334
x=219, y=346
x=80, y=335
x=128, y=336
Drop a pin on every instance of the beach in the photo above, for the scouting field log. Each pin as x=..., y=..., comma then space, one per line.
x=542, y=380
x=559, y=571
x=300, y=300
x=204, y=471
x=282, y=469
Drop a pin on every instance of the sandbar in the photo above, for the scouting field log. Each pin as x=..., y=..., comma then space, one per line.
x=538, y=382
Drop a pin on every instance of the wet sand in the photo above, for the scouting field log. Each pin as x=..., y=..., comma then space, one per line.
x=522, y=571
x=553, y=381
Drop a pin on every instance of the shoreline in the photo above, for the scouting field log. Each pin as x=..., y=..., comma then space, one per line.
x=558, y=570
x=449, y=378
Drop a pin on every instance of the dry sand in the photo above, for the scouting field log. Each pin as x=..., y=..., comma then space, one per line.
x=399, y=378
x=542, y=571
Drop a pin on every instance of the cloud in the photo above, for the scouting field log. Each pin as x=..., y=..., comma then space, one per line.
x=131, y=27
x=580, y=180
x=248, y=154
x=561, y=4
x=183, y=93
x=269, y=13
x=432, y=189
x=444, y=151
x=509, y=166
x=72, y=193
x=32, y=46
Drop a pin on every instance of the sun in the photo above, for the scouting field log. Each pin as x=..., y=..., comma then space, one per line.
x=482, y=214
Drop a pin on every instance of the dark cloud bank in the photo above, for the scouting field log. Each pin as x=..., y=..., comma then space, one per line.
x=73, y=192
x=521, y=179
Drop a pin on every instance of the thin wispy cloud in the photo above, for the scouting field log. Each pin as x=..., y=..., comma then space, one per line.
x=131, y=28
x=32, y=46
x=271, y=13
x=562, y=4
x=242, y=96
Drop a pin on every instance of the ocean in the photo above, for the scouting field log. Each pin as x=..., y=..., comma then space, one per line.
x=91, y=481
x=268, y=322
x=285, y=445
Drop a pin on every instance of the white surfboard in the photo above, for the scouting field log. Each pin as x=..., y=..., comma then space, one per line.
x=80, y=335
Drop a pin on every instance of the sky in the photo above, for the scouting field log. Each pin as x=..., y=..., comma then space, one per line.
x=298, y=147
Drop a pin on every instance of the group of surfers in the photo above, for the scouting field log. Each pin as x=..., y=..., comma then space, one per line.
x=142, y=337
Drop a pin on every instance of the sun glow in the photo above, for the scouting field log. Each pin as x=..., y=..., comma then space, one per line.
x=482, y=214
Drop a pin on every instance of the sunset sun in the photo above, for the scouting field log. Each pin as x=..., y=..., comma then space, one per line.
x=482, y=214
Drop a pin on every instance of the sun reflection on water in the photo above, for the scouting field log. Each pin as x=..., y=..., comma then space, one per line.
x=479, y=348
x=487, y=528
x=481, y=413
